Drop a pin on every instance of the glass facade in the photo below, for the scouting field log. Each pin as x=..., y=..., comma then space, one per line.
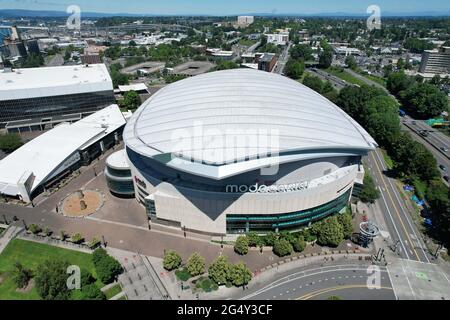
x=45, y=107
x=285, y=221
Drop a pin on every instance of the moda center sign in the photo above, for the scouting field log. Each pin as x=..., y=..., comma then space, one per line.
x=262, y=188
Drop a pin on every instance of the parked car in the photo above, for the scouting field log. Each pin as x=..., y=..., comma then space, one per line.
x=442, y=167
x=444, y=149
x=447, y=178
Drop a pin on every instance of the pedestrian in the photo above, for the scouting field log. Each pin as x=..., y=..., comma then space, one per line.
x=57, y=210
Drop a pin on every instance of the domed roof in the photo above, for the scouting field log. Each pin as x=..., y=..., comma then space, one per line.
x=208, y=107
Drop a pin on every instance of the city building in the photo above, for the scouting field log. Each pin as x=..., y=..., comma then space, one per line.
x=436, y=61
x=281, y=38
x=233, y=151
x=245, y=21
x=347, y=51
x=38, y=98
x=267, y=62
x=41, y=163
x=118, y=174
x=90, y=59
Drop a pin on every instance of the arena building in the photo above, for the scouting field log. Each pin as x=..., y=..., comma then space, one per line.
x=238, y=150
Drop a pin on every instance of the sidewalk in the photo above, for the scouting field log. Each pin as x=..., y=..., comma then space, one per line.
x=8, y=235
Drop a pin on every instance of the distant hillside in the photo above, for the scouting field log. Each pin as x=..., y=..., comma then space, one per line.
x=18, y=13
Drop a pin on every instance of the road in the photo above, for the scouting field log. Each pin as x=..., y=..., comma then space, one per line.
x=348, y=282
x=399, y=221
x=282, y=60
x=429, y=142
x=337, y=82
x=366, y=80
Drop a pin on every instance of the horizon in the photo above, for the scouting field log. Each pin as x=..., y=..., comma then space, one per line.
x=231, y=8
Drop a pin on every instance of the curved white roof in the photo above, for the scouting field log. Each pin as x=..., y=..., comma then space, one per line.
x=118, y=160
x=193, y=118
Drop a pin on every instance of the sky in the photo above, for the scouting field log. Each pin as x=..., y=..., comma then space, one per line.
x=230, y=7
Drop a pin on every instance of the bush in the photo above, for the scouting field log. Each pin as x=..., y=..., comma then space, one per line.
x=94, y=243
x=77, y=238
x=346, y=221
x=282, y=247
x=183, y=274
x=34, y=228
x=91, y=292
x=195, y=264
x=21, y=275
x=269, y=239
x=241, y=245
x=86, y=278
x=47, y=231
x=253, y=239
x=10, y=142
x=219, y=270
x=172, y=260
x=300, y=244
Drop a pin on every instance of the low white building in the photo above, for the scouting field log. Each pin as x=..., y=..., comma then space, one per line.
x=40, y=163
x=278, y=38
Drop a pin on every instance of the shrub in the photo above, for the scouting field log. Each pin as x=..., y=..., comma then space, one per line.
x=77, y=238
x=21, y=275
x=195, y=264
x=269, y=239
x=91, y=292
x=253, y=239
x=47, y=231
x=172, y=260
x=86, y=278
x=300, y=244
x=282, y=247
x=241, y=245
x=34, y=228
x=94, y=243
x=183, y=274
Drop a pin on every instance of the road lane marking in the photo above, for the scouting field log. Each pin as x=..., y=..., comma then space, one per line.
x=327, y=290
x=407, y=218
x=393, y=203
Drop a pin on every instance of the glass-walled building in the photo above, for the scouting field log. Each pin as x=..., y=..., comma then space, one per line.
x=118, y=174
x=39, y=98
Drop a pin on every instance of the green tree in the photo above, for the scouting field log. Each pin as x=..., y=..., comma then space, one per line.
x=10, y=142
x=313, y=82
x=107, y=268
x=219, y=270
x=346, y=221
x=86, y=278
x=330, y=232
x=425, y=100
x=326, y=58
x=294, y=69
x=21, y=275
x=350, y=61
x=369, y=192
x=225, y=65
x=299, y=244
x=241, y=245
x=240, y=274
x=92, y=292
x=253, y=239
x=282, y=247
x=51, y=280
x=270, y=238
x=77, y=238
x=195, y=264
x=131, y=100
x=172, y=260
x=301, y=51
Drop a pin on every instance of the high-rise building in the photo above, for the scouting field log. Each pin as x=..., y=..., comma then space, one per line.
x=245, y=21
x=436, y=61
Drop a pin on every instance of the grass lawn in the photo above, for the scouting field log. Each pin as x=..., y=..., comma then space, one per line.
x=387, y=159
x=111, y=292
x=31, y=254
x=376, y=79
x=345, y=76
x=246, y=42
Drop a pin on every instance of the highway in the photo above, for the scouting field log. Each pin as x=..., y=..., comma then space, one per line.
x=430, y=142
x=337, y=82
x=401, y=228
x=348, y=282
